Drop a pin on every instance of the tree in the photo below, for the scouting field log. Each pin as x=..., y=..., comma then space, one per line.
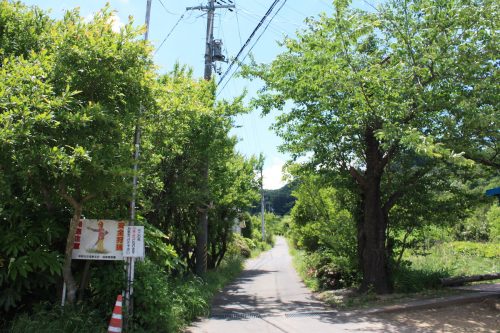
x=374, y=89
x=180, y=189
x=67, y=123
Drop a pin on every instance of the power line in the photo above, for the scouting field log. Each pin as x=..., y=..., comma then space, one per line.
x=249, y=39
x=164, y=7
x=168, y=35
x=238, y=23
x=241, y=62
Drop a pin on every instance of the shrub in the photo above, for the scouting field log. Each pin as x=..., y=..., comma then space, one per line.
x=408, y=279
x=485, y=250
x=250, y=243
x=153, y=295
x=47, y=318
x=239, y=246
x=330, y=270
x=482, y=225
x=493, y=218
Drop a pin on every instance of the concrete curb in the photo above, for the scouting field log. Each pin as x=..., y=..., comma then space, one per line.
x=432, y=303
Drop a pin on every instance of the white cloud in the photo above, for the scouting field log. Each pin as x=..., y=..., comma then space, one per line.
x=273, y=175
x=116, y=22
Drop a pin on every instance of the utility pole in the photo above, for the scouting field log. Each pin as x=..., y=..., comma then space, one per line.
x=130, y=267
x=262, y=204
x=260, y=167
x=212, y=54
x=208, y=41
x=210, y=46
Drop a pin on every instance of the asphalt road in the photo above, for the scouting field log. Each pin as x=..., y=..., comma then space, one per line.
x=270, y=297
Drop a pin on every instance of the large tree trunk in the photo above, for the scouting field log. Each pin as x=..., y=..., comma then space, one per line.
x=372, y=226
x=375, y=264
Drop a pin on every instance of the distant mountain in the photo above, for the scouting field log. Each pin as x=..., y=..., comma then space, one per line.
x=279, y=201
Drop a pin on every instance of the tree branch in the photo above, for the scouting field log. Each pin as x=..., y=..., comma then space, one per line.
x=72, y=201
x=389, y=154
x=483, y=161
x=88, y=197
x=395, y=196
x=358, y=177
x=403, y=247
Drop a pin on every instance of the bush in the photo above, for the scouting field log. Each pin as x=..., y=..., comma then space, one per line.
x=483, y=225
x=153, y=294
x=47, y=318
x=164, y=304
x=330, y=271
x=484, y=250
x=408, y=279
x=493, y=218
x=239, y=246
x=250, y=243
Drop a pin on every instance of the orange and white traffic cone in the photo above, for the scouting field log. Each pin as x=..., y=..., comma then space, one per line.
x=115, y=324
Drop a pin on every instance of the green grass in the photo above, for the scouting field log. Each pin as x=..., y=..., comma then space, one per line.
x=259, y=249
x=458, y=258
x=418, y=277
x=300, y=262
x=47, y=318
x=163, y=304
x=193, y=296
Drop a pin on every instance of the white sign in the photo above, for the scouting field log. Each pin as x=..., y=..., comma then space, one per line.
x=99, y=240
x=134, y=242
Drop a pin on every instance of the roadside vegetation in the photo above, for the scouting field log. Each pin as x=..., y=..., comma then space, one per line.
x=465, y=244
x=391, y=117
x=71, y=93
x=394, y=113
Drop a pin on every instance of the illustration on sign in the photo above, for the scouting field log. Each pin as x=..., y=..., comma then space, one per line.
x=99, y=240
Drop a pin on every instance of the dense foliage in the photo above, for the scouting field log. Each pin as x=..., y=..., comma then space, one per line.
x=71, y=94
x=388, y=103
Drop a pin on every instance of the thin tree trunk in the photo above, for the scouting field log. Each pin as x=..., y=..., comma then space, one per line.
x=403, y=247
x=202, y=232
x=222, y=252
x=201, y=243
x=71, y=287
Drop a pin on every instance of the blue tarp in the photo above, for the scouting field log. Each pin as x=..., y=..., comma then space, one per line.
x=493, y=191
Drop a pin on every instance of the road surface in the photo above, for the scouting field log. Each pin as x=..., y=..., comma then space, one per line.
x=269, y=297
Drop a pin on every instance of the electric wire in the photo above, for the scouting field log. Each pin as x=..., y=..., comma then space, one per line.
x=170, y=32
x=275, y=22
x=251, y=48
x=238, y=24
x=164, y=7
x=249, y=39
x=251, y=18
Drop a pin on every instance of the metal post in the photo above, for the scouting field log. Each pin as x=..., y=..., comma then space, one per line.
x=262, y=222
x=209, y=38
x=130, y=265
x=63, y=299
x=202, y=232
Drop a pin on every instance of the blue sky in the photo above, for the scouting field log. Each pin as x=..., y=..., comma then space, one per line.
x=186, y=45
